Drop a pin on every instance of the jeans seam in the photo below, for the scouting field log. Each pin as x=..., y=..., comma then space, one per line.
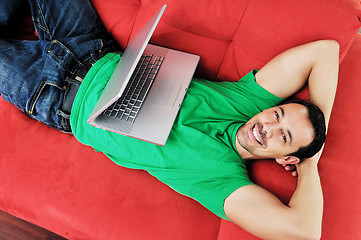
x=45, y=28
x=57, y=59
x=65, y=95
x=72, y=81
x=101, y=44
x=53, y=55
x=65, y=124
x=13, y=102
x=45, y=122
x=37, y=94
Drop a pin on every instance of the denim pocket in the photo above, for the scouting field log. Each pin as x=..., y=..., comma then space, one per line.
x=45, y=104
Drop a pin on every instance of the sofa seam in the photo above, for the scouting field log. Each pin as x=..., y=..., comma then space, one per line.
x=135, y=19
x=231, y=40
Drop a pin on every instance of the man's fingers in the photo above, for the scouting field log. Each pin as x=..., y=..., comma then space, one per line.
x=290, y=167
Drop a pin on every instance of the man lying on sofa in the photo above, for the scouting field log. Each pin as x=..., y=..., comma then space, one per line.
x=219, y=128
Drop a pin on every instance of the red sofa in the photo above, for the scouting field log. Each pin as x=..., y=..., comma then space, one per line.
x=50, y=179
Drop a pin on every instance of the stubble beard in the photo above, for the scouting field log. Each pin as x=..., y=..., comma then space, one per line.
x=241, y=142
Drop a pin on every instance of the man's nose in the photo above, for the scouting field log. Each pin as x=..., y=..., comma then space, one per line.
x=270, y=128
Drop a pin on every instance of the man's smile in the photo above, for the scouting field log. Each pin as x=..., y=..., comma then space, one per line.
x=255, y=135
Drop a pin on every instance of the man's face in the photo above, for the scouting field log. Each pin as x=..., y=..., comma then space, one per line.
x=275, y=132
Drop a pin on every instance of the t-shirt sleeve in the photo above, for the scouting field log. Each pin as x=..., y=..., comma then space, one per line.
x=212, y=194
x=209, y=188
x=262, y=98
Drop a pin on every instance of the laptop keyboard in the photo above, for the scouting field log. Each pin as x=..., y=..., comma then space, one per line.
x=128, y=105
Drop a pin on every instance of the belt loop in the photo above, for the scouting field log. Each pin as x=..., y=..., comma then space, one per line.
x=69, y=97
x=66, y=124
x=93, y=56
x=64, y=115
x=73, y=81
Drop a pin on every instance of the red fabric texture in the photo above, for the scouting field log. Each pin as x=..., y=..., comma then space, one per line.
x=50, y=179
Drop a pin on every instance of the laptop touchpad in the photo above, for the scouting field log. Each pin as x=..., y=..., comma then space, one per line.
x=166, y=93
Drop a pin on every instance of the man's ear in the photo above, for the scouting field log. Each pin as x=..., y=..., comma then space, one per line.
x=292, y=160
x=288, y=160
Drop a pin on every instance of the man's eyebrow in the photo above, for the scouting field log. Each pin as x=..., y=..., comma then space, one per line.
x=282, y=111
x=290, y=135
x=288, y=131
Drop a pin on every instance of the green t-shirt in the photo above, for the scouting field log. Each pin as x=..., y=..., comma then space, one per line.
x=199, y=159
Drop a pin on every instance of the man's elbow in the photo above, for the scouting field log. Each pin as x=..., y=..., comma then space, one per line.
x=313, y=236
x=333, y=44
x=305, y=236
x=303, y=230
x=296, y=235
x=329, y=46
x=310, y=234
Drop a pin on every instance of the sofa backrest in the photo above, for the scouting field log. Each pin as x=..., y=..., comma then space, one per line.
x=234, y=36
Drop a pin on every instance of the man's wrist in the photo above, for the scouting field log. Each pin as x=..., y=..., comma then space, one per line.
x=306, y=166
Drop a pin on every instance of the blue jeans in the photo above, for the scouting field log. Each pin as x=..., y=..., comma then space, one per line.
x=35, y=75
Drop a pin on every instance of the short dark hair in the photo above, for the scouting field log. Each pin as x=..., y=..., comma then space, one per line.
x=317, y=119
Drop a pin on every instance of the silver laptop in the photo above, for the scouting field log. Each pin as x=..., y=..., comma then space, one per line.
x=146, y=90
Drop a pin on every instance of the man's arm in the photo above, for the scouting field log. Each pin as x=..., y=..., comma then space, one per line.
x=255, y=209
x=262, y=214
x=316, y=62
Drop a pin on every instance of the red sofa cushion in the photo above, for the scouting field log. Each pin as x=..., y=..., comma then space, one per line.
x=233, y=37
x=50, y=179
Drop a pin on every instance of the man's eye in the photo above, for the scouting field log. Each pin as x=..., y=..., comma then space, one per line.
x=277, y=116
x=284, y=137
